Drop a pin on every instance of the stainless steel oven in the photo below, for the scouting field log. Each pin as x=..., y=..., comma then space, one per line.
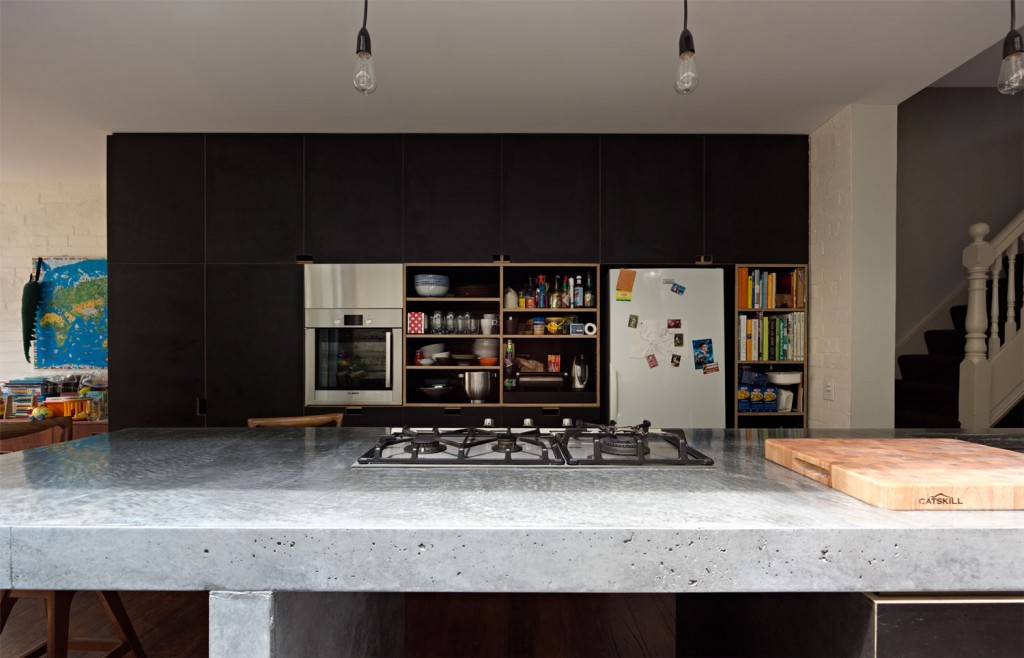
x=353, y=334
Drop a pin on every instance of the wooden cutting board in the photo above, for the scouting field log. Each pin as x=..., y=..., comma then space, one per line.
x=909, y=474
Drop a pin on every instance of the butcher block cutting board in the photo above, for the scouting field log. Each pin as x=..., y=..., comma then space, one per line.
x=909, y=474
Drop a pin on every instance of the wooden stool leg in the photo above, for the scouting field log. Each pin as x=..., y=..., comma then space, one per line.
x=58, y=618
x=6, y=603
x=119, y=620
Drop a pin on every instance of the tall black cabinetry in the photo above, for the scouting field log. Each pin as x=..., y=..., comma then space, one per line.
x=194, y=325
x=353, y=198
x=253, y=198
x=253, y=342
x=651, y=198
x=756, y=192
x=550, y=198
x=452, y=198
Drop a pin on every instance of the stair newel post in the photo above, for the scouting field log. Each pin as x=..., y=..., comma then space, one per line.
x=974, y=369
x=1010, y=326
x=993, y=330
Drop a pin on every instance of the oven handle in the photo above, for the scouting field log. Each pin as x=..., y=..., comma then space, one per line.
x=387, y=362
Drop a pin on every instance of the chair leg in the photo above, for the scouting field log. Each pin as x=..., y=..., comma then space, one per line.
x=119, y=620
x=6, y=604
x=58, y=619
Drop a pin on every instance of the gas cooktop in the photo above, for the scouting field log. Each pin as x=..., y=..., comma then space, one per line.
x=578, y=445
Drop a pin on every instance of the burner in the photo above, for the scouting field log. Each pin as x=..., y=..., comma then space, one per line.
x=622, y=444
x=506, y=442
x=427, y=444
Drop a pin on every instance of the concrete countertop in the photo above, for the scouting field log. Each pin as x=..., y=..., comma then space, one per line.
x=283, y=509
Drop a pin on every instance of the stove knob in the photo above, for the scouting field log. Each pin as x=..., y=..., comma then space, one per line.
x=527, y=422
x=488, y=422
x=567, y=422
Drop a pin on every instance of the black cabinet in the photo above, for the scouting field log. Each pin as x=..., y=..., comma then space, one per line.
x=253, y=198
x=452, y=198
x=380, y=417
x=757, y=198
x=155, y=198
x=156, y=345
x=651, y=198
x=253, y=342
x=354, y=198
x=551, y=198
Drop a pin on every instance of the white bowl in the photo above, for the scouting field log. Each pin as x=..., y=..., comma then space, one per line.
x=442, y=355
x=432, y=349
x=784, y=378
x=426, y=362
x=430, y=290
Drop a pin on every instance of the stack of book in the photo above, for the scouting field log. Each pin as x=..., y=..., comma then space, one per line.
x=26, y=392
x=777, y=337
x=758, y=288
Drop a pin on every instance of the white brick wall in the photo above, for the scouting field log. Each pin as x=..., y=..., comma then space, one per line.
x=830, y=249
x=42, y=219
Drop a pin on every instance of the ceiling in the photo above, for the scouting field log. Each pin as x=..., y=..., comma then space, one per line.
x=72, y=72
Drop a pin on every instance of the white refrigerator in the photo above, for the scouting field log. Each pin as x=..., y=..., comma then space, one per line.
x=666, y=360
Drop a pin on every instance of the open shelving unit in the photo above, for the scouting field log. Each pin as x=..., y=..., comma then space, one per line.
x=771, y=343
x=514, y=323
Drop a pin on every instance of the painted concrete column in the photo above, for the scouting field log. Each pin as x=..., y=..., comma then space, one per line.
x=853, y=268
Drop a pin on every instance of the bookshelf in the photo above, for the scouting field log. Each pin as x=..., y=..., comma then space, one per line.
x=771, y=345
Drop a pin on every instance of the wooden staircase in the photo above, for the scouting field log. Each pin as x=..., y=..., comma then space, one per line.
x=928, y=393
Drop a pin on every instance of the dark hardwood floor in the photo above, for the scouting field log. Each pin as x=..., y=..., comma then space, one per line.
x=169, y=624
x=176, y=624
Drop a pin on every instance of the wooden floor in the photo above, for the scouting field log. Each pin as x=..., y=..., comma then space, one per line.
x=176, y=624
x=169, y=624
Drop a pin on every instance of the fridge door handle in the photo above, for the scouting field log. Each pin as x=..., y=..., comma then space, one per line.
x=613, y=394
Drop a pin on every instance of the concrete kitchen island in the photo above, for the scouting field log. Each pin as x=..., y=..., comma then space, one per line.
x=254, y=515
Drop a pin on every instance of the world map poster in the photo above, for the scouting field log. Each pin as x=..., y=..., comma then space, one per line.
x=71, y=325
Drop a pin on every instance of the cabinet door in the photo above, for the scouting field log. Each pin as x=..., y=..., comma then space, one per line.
x=156, y=345
x=254, y=342
x=354, y=198
x=381, y=417
x=757, y=198
x=452, y=193
x=650, y=199
x=550, y=198
x=254, y=198
x=155, y=198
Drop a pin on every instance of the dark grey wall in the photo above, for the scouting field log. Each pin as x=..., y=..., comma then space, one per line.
x=960, y=161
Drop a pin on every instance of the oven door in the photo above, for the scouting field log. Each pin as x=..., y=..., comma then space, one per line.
x=353, y=357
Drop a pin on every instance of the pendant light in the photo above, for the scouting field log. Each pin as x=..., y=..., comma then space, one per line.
x=686, y=74
x=364, y=79
x=1011, y=72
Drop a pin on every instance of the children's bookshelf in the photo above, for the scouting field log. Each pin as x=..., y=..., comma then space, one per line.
x=771, y=345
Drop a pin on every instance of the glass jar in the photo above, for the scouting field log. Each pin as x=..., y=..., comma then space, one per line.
x=538, y=326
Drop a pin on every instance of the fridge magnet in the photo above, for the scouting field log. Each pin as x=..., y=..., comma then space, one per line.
x=678, y=289
x=676, y=359
x=703, y=353
x=678, y=340
x=633, y=321
x=710, y=368
x=625, y=280
x=652, y=361
x=674, y=323
x=623, y=296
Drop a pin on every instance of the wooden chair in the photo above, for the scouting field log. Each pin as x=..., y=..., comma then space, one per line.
x=58, y=616
x=298, y=421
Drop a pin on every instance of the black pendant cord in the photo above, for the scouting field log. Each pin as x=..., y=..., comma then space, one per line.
x=686, y=12
x=366, y=9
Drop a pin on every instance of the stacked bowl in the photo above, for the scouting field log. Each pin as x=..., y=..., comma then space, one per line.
x=430, y=285
x=486, y=348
